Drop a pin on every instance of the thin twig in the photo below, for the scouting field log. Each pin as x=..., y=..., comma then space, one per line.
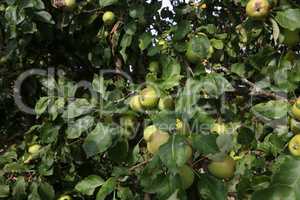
x=139, y=165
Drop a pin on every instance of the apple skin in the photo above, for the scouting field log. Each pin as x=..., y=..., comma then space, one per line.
x=34, y=149
x=148, y=131
x=135, y=103
x=70, y=3
x=187, y=176
x=295, y=126
x=108, y=18
x=219, y=128
x=65, y=197
x=294, y=145
x=156, y=140
x=182, y=127
x=258, y=9
x=192, y=56
x=166, y=103
x=154, y=66
x=149, y=97
x=222, y=169
x=296, y=110
x=291, y=38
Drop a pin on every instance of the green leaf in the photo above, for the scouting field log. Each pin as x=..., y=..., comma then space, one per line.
x=99, y=140
x=285, y=182
x=49, y=133
x=125, y=42
x=276, y=30
x=34, y=195
x=217, y=44
x=46, y=191
x=175, y=153
x=41, y=105
x=211, y=188
x=77, y=108
x=88, y=185
x=271, y=110
x=239, y=69
x=205, y=144
x=289, y=19
x=107, y=188
x=105, y=3
x=44, y=16
x=144, y=41
x=19, y=190
x=75, y=129
x=4, y=191
x=125, y=193
x=182, y=29
x=99, y=85
x=174, y=196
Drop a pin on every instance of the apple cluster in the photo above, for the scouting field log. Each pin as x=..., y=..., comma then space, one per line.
x=294, y=143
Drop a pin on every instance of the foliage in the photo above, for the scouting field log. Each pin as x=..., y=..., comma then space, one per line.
x=218, y=65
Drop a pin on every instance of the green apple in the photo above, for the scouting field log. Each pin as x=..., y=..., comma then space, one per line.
x=65, y=197
x=70, y=4
x=187, y=176
x=291, y=38
x=149, y=97
x=294, y=145
x=296, y=110
x=156, y=140
x=148, y=131
x=258, y=9
x=135, y=103
x=222, y=169
x=34, y=149
x=128, y=122
x=166, y=103
x=295, y=126
x=182, y=127
x=192, y=56
x=108, y=18
x=154, y=66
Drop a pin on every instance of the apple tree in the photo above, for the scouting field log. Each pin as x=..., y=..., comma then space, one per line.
x=128, y=99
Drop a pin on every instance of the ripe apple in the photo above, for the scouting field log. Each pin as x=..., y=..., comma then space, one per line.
x=187, y=176
x=296, y=110
x=222, y=169
x=257, y=9
x=166, y=103
x=156, y=140
x=135, y=103
x=291, y=38
x=65, y=197
x=294, y=145
x=34, y=149
x=148, y=131
x=70, y=4
x=149, y=97
x=108, y=18
x=154, y=66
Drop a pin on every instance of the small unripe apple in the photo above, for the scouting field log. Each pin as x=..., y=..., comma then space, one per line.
x=294, y=145
x=154, y=66
x=156, y=140
x=149, y=97
x=28, y=159
x=257, y=9
x=222, y=169
x=148, y=131
x=182, y=127
x=291, y=38
x=219, y=128
x=70, y=4
x=296, y=110
x=34, y=149
x=128, y=122
x=166, y=103
x=65, y=197
x=135, y=103
x=187, y=176
x=108, y=18
x=192, y=56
